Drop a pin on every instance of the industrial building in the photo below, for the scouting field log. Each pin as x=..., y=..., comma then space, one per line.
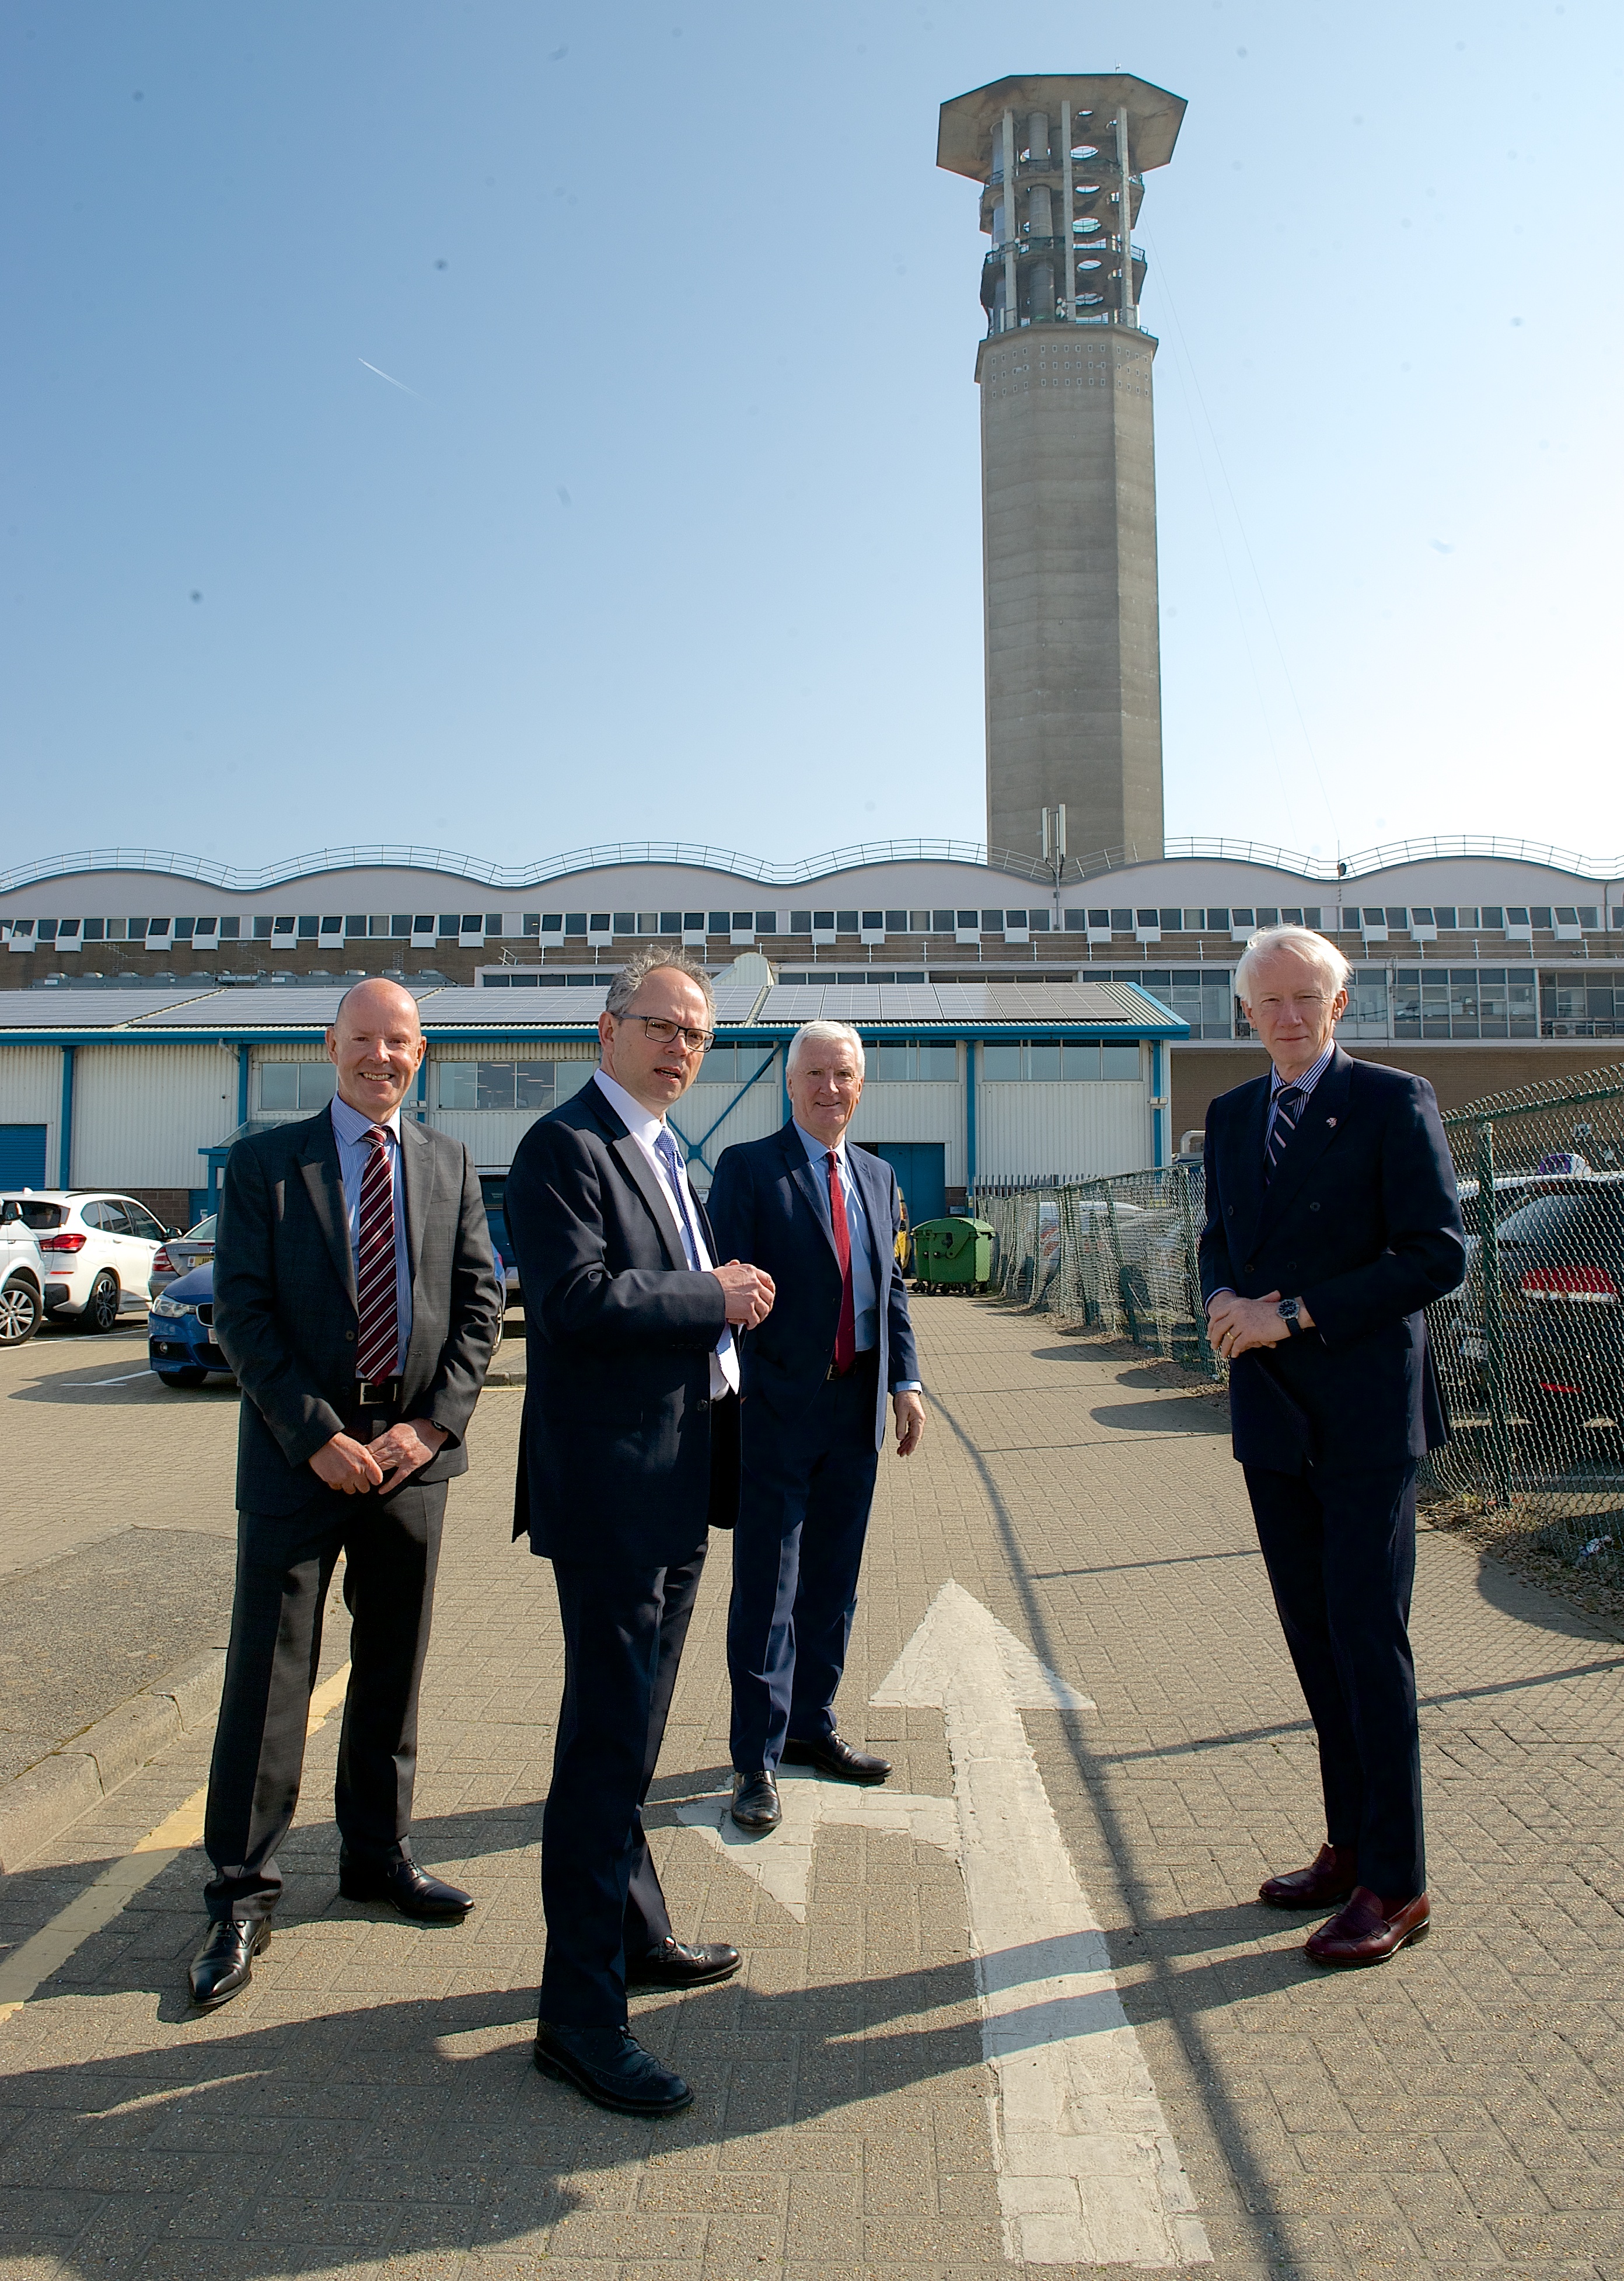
x=1480, y=965
x=145, y=1089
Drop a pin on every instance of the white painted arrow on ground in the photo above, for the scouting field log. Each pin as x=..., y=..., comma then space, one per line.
x=781, y=1862
x=1088, y=2171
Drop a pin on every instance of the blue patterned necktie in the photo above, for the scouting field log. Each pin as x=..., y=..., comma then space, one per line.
x=665, y=1148
x=1288, y=1108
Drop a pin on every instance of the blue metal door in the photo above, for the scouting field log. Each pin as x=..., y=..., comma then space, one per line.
x=921, y=1167
x=22, y=1155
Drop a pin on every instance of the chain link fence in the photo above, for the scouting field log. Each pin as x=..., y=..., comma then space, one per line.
x=1530, y=1349
x=1114, y=1255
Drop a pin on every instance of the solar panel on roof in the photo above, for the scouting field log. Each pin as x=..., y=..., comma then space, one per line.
x=84, y=1008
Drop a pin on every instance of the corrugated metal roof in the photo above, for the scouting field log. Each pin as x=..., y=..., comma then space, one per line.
x=953, y=1004
x=946, y=1005
x=84, y=1010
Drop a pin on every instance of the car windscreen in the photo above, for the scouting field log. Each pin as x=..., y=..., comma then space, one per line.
x=203, y=1233
x=33, y=1214
x=1568, y=1225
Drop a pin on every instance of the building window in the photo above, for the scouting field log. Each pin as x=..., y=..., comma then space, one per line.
x=766, y=923
x=846, y=922
x=1586, y=1004
x=286, y=1085
x=528, y=1086
x=801, y=922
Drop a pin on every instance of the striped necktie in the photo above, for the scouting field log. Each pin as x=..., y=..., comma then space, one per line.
x=377, y=1350
x=665, y=1148
x=1288, y=1108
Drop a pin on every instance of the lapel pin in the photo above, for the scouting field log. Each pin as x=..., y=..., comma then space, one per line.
x=1331, y=1121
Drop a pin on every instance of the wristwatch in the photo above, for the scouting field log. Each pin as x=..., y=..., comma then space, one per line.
x=1288, y=1310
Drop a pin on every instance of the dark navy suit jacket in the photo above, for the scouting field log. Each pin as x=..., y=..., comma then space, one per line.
x=285, y=1301
x=769, y=1206
x=1361, y=1222
x=615, y=1452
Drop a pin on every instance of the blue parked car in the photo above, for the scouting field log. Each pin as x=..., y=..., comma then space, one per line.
x=181, y=1329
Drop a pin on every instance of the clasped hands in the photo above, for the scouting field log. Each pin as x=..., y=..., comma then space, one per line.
x=1235, y=1325
x=357, y=1468
x=749, y=1292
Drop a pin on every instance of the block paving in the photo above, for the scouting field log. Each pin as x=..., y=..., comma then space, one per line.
x=367, y=2107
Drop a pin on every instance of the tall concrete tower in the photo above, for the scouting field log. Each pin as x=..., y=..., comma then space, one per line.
x=1067, y=465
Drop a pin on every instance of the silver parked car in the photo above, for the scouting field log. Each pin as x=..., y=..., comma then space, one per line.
x=178, y=1254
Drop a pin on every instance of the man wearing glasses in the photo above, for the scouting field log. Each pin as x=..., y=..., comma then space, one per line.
x=628, y=1454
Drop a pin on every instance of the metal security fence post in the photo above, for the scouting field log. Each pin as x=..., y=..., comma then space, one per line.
x=1124, y=1297
x=1494, y=1318
x=1208, y=1360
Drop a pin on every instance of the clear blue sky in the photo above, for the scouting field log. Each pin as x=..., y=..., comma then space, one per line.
x=677, y=531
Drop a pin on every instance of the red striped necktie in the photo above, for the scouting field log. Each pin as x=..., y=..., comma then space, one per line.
x=377, y=1353
x=845, y=1330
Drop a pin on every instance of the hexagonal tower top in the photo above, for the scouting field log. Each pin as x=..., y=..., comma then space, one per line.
x=964, y=142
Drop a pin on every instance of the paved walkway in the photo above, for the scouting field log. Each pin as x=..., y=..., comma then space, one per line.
x=870, y=2089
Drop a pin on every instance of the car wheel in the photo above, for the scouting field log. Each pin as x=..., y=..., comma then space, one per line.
x=189, y=1376
x=102, y=1307
x=21, y=1313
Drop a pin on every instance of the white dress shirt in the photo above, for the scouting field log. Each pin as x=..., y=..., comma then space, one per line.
x=865, y=1291
x=646, y=1128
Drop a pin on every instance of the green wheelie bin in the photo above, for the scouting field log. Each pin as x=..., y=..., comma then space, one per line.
x=952, y=1255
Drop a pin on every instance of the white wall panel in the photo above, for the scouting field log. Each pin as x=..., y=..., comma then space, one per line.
x=141, y=1112
x=1033, y=1127
x=490, y=1135
x=31, y=1093
x=897, y=1110
x=761, y=1111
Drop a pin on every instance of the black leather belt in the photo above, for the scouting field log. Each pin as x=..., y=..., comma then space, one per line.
x=376, y=1393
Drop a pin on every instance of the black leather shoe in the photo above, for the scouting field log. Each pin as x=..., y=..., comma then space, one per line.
x=755, y=1804
x=676, y=1964
x=225, y=1963
x=609, y=2066
x=404, y=1887
x=832, y=1756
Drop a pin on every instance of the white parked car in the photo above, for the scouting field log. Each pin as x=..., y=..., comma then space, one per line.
x=22, y=1278
x=98, y=1249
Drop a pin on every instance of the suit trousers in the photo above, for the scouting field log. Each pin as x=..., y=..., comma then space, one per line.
x=624, y=1635
x=285, y=1563
x=803, y=1517
x=1340, y=1549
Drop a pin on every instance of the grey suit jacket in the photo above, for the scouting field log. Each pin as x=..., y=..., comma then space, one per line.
x=285, y=1303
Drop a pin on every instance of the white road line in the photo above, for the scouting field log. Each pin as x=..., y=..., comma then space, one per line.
x=1088, y=2171
x=781, y=1862
x=93, y=1385
x=27, y=1969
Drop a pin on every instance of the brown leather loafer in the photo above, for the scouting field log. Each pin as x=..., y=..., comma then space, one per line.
x=1325, y=1884
x=1369, y=1930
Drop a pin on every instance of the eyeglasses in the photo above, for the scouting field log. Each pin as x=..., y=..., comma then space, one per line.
x=666, y=1033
